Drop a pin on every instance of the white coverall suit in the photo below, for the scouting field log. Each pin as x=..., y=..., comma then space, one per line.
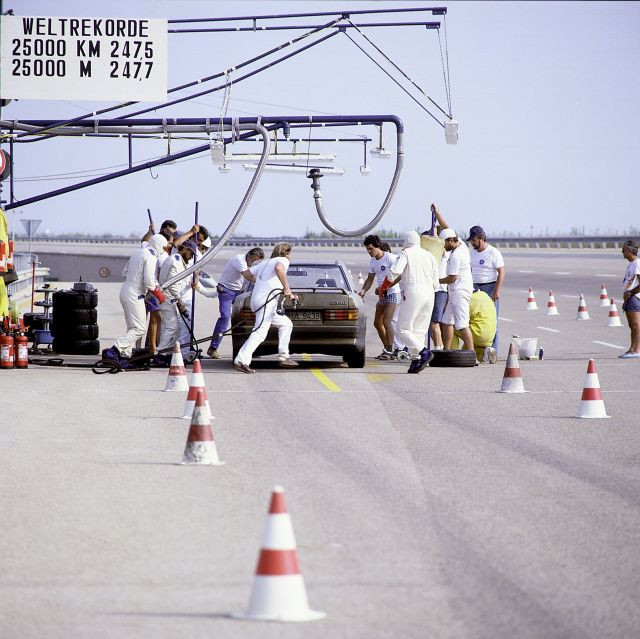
x=171, y=320
x=419, y=271
x=141, y=277
x=266, y=280
x=207, y=287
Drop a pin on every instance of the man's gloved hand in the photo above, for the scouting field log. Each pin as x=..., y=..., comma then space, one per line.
x=386, y=284
x=158, y=294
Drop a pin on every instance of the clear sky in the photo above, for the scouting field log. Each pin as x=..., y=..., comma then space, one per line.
x=546, y=94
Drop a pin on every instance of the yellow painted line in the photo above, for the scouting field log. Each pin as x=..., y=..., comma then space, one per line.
x=378, y=377
x=320, y=376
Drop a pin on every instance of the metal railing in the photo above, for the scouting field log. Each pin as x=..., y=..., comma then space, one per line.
x=20, y=290
x=571, y=242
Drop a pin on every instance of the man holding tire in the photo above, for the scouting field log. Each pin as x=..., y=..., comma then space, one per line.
x=460, y=284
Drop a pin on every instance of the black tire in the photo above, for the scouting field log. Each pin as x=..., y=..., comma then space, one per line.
x=72, y=332
x=355, y=359
x=75, y=316
x=76, y=347
x=75, y=299
x=458, y=359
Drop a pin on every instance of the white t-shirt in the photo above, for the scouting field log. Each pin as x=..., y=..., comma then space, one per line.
x=460, y=265
x=382, y=267
x=442, y=270
x=633, y=272
x=266, y=281
x=485, y=264
x=231, y=276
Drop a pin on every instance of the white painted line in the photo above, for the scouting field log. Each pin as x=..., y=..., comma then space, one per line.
x=605, y=275
x=551, y=330
x=561, y=273
x=572, y=297
x=526, y=271
x=525, y=291
x=504, y=319
x=595, y=341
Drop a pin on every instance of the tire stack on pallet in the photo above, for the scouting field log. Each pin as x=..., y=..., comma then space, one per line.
x=75, y=322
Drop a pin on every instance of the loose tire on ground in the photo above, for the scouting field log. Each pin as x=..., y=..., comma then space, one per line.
x=75, y=299
x=76, y=347
x=453, y=358
x=71, y=332
x=75, y=315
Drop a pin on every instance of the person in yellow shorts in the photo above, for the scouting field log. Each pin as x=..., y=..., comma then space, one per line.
x=482, y=323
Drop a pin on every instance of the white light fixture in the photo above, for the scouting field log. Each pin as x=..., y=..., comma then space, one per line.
x=224, y=168
x=451, y=131
x=280, y=157
x=365, y=170
x=217, y=151
x=283, y=168
x=380, y=153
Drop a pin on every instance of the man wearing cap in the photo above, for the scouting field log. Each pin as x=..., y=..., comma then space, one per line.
x=487, y=270
x=460, y=284
x=173, y=307
x=229, y=286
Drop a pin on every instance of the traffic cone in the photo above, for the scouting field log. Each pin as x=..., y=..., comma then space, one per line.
x=531, y=301
x=614, y=318
x=583, y=314
x=177, y=378
x=604, y=296
x=278, y=592
x=360, y=279
x=200, y=447
x=512, y=380
x=552, y=309
x=592, y=404
x=196, y=382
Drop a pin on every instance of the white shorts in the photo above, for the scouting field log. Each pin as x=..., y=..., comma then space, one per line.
x=456, y=312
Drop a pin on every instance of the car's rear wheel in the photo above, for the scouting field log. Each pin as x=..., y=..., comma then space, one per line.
x=355, y=359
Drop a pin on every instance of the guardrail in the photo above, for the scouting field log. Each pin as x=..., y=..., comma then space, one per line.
x=571, y=242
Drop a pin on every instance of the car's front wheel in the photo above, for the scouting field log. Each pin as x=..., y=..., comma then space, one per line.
x=355, y=359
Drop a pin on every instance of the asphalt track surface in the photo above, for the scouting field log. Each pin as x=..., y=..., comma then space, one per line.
x=423, y=506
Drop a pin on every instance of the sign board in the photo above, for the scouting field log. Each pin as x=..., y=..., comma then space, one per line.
x=113, y=59
x=31, y=226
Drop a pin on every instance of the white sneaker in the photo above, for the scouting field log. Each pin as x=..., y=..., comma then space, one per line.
x=492, y=356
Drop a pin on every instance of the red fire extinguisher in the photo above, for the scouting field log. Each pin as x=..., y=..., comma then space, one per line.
x=6, y=351
x=22, y=351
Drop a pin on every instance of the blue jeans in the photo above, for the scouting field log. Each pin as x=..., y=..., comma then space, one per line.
x=488, y=289
x=226, y=298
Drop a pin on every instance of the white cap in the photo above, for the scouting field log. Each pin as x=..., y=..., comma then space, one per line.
x=447, y=234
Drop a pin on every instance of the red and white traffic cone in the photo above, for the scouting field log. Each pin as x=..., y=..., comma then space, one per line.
x=278, y=592
x=196, y=381
x=583, y=313
x=201, y=446
x=592, y=404
x=177, y=378
x=360, y=279
x=614, y=318
x=604, y=296
x=552, y=309
x=512, y=380
x=531, y=301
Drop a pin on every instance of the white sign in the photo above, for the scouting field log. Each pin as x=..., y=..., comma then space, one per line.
x=114, y=59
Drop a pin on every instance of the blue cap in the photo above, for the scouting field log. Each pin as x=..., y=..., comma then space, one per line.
x=474, y=231
x=191, y=245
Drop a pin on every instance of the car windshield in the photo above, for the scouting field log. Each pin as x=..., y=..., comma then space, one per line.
x=316, y=276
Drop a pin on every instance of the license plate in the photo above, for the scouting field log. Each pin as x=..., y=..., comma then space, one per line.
x=313, y=316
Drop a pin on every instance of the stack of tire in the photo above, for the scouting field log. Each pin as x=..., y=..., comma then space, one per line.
x=75, y=322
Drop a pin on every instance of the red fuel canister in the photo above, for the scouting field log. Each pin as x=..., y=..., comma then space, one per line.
x=6, y=351
x=22, y=351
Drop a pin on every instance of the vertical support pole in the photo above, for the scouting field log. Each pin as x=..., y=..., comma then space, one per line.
x=11, y=198
x=130, y=151
x=193, y=292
